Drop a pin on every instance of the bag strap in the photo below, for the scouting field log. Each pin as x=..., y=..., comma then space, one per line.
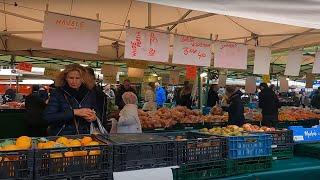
x=74, y=118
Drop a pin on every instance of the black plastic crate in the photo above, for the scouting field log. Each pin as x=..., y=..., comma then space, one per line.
x=249, y=165
x=281, y=137
x=16, y=164
x=201, y=171
x=195, y=147
x=282, y=152
x=305, y=123
x=215, y=124
x=142, y=151
x=88, y=176
x=74, y=162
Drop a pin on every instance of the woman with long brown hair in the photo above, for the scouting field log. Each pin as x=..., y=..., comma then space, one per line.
x=73, y=105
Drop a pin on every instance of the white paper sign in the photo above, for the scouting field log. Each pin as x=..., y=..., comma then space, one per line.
x=250, y=84
x=316, y=64
x=230, y=55
x=284, y=85
x=293, y=63
x=222, y=81
x=146, y=45
x=191, y=51
x=135, y=72
x=262, y=59
x=70, y=33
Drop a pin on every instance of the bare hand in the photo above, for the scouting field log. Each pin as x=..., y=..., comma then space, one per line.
x=85, y=113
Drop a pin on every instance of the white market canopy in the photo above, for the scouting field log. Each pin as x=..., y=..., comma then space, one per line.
x=235, y=21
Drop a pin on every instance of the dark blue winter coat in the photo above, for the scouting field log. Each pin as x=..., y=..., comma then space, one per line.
x=59, y=111
x=236, y=110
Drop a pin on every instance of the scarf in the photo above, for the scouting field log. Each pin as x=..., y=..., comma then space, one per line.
x=77, y=94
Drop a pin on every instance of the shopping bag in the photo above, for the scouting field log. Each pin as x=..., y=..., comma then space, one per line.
x=97, y=128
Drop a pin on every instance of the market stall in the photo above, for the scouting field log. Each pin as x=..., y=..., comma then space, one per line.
x=145, y=43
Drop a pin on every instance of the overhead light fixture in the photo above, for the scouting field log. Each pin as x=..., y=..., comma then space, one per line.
x=154, y=74
x=287, y=79
x=84, y=65
x=204, y=74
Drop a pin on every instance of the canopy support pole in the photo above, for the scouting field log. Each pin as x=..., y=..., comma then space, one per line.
x=207, y=88
x=199, y=88
x=182, y=18
x=289, y=38
x=149, y=14
x=12, y=62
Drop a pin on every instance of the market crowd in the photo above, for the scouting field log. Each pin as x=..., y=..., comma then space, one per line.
x=76, y=104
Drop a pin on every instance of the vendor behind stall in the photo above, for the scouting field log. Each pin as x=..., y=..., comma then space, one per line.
x=269, y=103
x=236, y=108
x=125, y=87
x=73, y=104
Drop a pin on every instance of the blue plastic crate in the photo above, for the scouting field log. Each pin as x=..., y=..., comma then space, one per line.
x=206, y=110
x=253, y=145
x=301, y=134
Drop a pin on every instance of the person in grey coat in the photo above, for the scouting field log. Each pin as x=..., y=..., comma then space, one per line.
x=129, y=121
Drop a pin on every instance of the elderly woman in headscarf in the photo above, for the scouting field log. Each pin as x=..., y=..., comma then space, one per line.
x=129, y=121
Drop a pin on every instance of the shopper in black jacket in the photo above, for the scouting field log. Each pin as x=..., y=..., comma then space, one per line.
x=213, y=97
x=236, y=108
x=269, y=103
x=35, y=104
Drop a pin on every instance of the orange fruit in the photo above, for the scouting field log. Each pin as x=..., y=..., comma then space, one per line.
x=93, y=143
x=68, y=154
x=56, y=155
x=63, y=140
x=80, y=153
x=40, y=145
x=74, y=143
x=48, y=145
x=23, y=142
x=10, y=147
x=94, y=152
x=86, y=140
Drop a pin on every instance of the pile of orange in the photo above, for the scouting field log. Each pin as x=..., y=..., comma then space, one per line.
x=64, y=141
x=21, y=143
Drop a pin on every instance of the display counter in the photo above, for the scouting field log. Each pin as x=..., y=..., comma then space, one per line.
x=294, y=169
x=13, y=123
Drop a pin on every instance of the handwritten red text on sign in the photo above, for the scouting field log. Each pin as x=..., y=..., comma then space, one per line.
x=146, y=45
x=192, y=51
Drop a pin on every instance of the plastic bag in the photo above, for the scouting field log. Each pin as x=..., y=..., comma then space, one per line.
x=97, y=128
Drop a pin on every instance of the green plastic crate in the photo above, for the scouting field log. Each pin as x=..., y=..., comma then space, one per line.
x=249, y=165
x=282, y=152
x=308, y=149
x=201, y=171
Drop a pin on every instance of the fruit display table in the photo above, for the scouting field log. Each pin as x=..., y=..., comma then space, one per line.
x=295, y=169
x=12, y=123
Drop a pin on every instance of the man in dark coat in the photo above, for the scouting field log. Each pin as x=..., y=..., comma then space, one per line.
x=315, y=101
x=35, y=104
x=125, y=87
x=269, y=103
x=236, y=108
x=213, y=97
